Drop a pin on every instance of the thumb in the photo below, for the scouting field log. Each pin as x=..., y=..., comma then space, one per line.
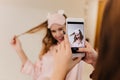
x=76, y=60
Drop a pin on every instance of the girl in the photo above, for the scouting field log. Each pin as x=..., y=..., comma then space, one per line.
x=43, y=67
x=78, y=39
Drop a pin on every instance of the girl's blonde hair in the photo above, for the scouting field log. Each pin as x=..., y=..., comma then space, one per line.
x=48, y=40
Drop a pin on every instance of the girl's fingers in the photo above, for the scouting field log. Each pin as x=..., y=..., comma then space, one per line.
x=54, y=51
x=58, y=48
x=62, y=45
x=67, y=44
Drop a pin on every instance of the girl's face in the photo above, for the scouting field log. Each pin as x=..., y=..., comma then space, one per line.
x=57, y=32
x=77, y=35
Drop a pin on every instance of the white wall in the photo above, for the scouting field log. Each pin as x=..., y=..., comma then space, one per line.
x=91, y=19
x=17, y=16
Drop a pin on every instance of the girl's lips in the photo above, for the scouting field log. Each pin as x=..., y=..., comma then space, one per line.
x=61, y=39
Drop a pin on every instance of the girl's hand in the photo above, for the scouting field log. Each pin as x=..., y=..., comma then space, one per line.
x=16, y=44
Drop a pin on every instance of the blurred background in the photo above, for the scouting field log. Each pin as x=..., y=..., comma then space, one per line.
x=18, y=16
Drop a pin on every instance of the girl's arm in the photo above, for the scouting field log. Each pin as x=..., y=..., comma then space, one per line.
x=22, y=56
x=16, y=44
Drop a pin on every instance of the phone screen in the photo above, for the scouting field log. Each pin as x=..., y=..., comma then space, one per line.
x=76, y=36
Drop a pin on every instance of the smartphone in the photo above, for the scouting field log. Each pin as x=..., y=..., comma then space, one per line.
x=75, y=31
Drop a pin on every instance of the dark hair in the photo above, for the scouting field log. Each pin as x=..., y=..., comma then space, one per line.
x=108, y=64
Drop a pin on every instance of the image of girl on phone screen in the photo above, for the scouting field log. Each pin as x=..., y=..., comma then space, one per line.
x=43, y=67
x=77, y=38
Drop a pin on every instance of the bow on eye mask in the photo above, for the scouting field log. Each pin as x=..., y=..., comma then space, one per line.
x=56, y=18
